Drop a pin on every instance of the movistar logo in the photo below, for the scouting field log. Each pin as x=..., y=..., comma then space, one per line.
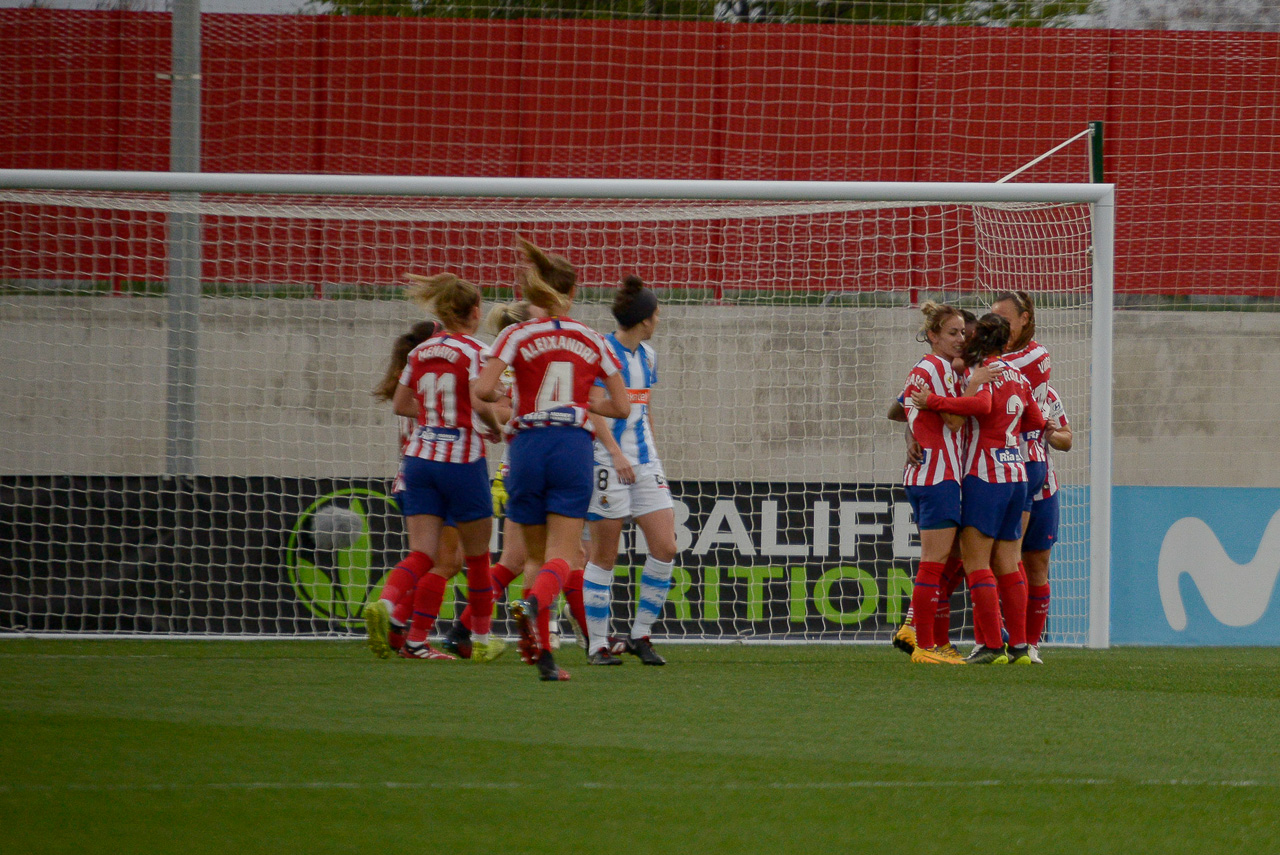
x=1235, y=594
x=331, y=554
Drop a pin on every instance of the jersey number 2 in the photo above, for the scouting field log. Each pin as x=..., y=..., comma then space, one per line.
x=1014, y=408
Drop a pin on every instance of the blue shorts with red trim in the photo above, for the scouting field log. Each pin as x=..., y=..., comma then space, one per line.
x=1042, y=527
x=993, y=509
x=935, y=506
x=1037, y=471
x=550, y=474
x=456, y=492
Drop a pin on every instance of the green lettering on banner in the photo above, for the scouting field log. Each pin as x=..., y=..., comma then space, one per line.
x=866, y=608
x=896, y=588
x=799, y=600
x=711, y=593
x=756, y=577
x=678, y=595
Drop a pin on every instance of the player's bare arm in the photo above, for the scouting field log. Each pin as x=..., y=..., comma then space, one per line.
x=617, y=405
x=404, y=403
x=485, y=386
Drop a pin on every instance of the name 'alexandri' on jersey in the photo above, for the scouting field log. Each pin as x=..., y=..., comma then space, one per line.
x=568, y=357
x=540, y=346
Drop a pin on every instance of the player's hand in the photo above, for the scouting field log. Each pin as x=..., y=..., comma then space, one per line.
x=499, y=491
x=920, y=398
x=626, y=474
x=915, y=454
x=981, y=374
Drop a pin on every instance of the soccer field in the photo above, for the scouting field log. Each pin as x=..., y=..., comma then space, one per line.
x=311, y=747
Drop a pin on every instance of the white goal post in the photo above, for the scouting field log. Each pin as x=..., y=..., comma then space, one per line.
x=219, y=412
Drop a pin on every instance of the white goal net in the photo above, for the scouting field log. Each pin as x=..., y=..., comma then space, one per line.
x=174, y=447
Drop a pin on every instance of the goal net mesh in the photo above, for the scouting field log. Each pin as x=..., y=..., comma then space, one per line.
x=786, y=332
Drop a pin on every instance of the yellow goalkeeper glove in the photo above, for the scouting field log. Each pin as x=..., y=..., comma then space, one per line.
x=499, y=490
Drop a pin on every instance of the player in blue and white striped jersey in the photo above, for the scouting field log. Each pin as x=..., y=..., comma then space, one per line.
x=629, y=483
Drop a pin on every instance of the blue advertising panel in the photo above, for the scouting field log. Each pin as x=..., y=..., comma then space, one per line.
x=1195, y=566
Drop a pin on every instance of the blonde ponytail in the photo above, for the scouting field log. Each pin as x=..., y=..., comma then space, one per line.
x=504, y=315
x=935, y=315
x=451, y=299
x=548, y=282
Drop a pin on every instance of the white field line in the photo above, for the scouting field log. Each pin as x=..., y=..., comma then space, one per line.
x=248, y=786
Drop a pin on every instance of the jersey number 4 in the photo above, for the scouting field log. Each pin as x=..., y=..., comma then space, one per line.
x=557, y=386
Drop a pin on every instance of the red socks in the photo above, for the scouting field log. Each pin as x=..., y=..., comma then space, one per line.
x=499, y=578
x=426, y=606
x=1013, y=606
x=479, y=593
x=546, y=587
x=573, y=595
x=986, y=606
x=924, y=601
x=952, y=573
x=501, y=575
x=404, y=578
x=1037, y=612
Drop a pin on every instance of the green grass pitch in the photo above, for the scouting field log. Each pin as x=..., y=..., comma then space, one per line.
x=293, y=748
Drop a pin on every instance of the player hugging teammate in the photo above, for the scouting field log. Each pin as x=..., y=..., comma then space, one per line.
x=976, y=419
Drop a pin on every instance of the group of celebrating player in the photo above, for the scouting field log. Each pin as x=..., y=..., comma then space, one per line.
x=981, y=417
x=573, y=408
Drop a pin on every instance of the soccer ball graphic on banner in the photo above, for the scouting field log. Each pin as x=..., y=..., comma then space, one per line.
x=333, y=551
x=336, y=527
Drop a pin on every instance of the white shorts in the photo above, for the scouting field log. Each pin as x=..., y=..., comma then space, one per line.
x=613, y=500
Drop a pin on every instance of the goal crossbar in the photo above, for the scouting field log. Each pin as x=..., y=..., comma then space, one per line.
x=550, y=188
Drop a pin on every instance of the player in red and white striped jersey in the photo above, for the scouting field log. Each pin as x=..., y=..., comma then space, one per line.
x=953, y=570
x=1042, y=526
x=932, y=482
x=444, y=472
x=556, y=361
x=1022, y=351
x=511, y=563
x=994, y=490
x=449, y=560
x=1031, y=358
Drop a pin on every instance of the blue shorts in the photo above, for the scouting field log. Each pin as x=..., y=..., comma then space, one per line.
x=456, y=492
x=993, y=509
x=1036, y=472
x=550, y=474
x=936, y=506
x=1042, y=527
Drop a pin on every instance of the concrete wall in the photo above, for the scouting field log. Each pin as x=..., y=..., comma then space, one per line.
x=760, y=393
